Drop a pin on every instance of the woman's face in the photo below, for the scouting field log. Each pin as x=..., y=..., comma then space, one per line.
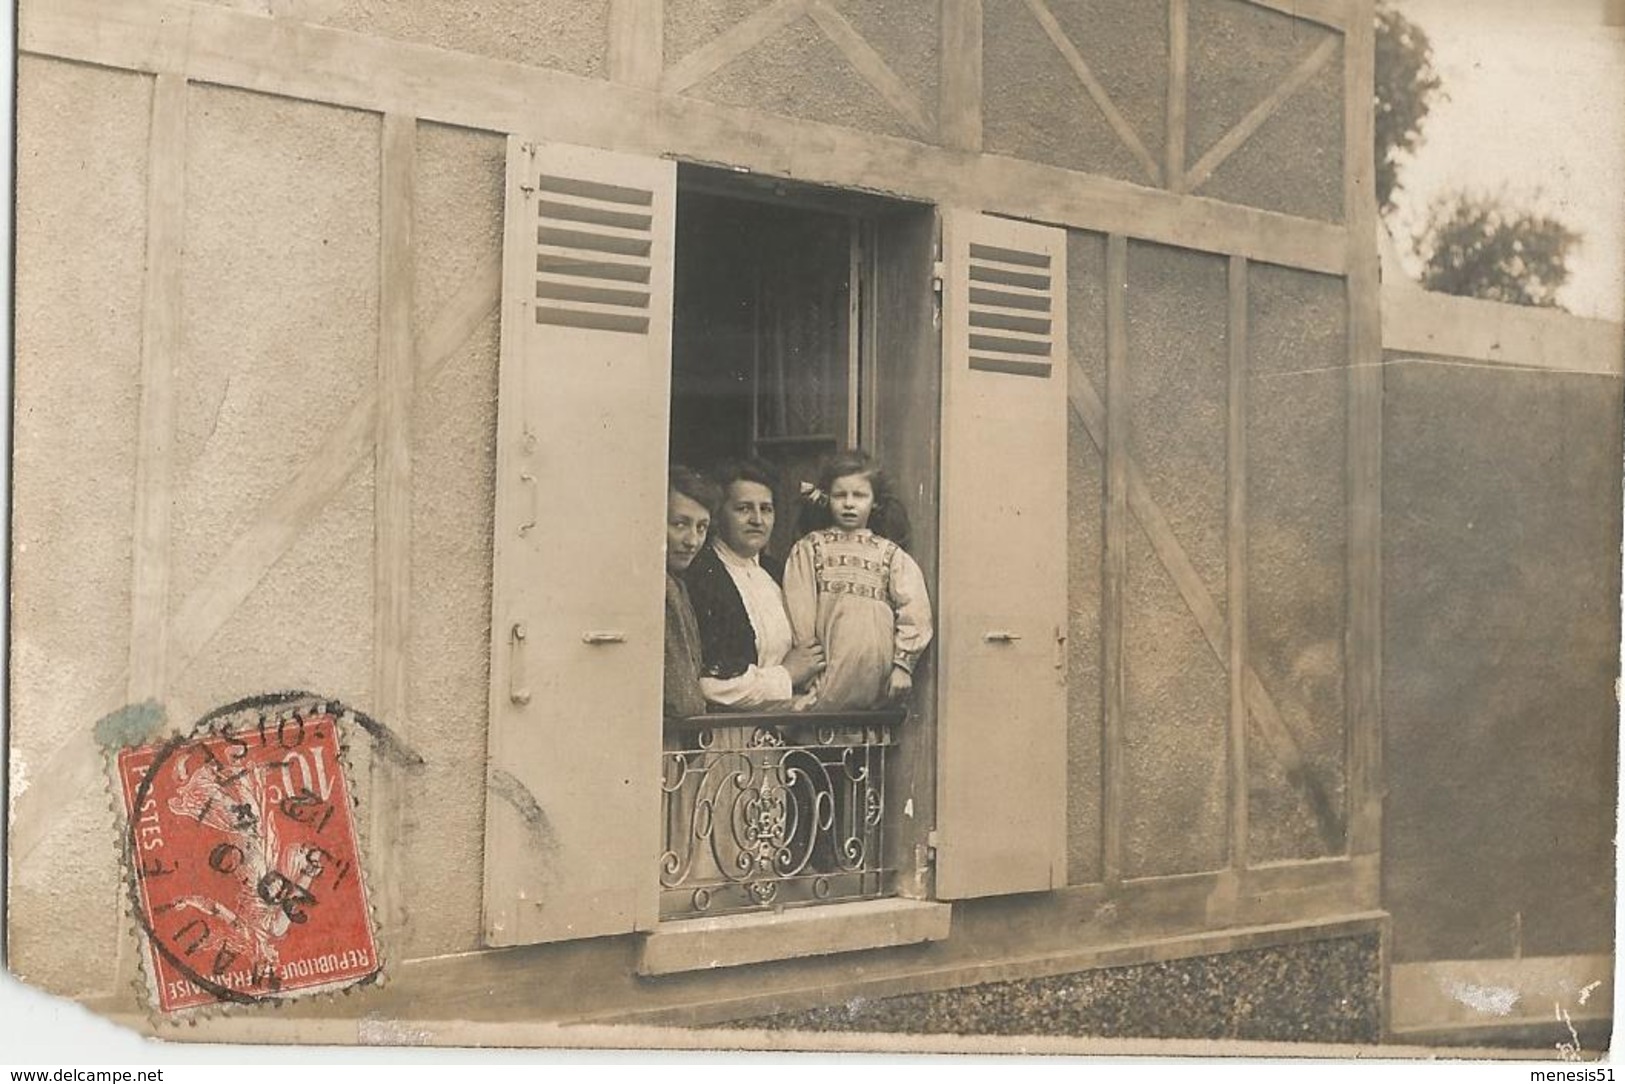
x=686, y=524
x=746, y=522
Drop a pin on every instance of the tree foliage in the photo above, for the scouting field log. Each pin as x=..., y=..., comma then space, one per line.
x=1405, y=87
x=1476, y=246
x=1472, y=245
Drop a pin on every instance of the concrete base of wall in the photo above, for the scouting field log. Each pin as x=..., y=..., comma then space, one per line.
x=1316, y=991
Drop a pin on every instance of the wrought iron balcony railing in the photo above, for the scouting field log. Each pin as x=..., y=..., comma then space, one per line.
x=770, y=811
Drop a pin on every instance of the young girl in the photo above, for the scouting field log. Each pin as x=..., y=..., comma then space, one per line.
x=851, y=588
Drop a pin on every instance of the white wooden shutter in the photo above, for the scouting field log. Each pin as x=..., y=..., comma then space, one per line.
x=572, y=815
x=1001, y=787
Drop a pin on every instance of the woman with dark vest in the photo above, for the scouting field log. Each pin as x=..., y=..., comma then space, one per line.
x=748, y=661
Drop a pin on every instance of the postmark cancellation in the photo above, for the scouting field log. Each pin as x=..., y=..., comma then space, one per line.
x=245, y=877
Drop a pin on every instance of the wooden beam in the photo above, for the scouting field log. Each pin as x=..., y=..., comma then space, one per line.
x=1415, y=321
x=1179, y=26
x=1114, y=564
x=161, y=339
x=1097, y=93
x=162, y=335
x=392, y=506
x=732, y=44
x=1337, y=14
x=1232, y=140
x=637, y=41
x=337, y=67
x=1363, y=646
x=1188, y=582
x=959, y=110
x=871, y=66
x=1236, y=569
x=75, y=763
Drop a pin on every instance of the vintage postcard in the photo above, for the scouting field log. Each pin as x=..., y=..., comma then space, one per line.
x=1047, y=525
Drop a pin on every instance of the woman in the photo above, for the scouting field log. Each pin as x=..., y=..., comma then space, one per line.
x=690, y=500
x=748, y=661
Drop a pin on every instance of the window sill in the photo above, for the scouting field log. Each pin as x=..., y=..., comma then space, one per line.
x=720, y=720
x=698, y=944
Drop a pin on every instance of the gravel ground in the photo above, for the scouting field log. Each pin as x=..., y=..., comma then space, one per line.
x=1321, y=991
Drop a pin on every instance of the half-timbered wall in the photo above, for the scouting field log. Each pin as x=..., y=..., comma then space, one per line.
x=294, y=367
x=1234, y=384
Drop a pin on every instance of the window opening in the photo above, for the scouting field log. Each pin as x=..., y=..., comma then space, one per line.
x=765, y=338
x=772, y=360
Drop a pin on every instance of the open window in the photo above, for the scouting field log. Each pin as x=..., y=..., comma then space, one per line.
x=655, y=313
x=775, y=359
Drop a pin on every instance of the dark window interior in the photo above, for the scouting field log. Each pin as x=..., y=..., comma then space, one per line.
x=764, y=343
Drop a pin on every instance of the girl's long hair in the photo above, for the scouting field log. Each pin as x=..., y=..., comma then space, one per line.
x=888, y=520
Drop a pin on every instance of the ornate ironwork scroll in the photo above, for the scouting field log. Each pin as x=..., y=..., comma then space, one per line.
x=764, y=812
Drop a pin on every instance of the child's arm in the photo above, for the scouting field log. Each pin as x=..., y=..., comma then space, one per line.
x=911, y=606
x=801, y=593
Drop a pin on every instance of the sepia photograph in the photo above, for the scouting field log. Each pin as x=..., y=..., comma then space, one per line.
x=919, y=526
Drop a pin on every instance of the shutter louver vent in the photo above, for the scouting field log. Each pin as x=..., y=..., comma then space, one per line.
x=594, y=255
x=1011, y=294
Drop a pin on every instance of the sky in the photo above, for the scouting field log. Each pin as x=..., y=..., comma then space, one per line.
x=1535, y=110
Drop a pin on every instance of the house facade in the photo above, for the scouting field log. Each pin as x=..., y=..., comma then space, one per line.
x=366, y=334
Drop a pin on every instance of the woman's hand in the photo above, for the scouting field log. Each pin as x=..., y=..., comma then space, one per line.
x=804, y=662
x=899, y=684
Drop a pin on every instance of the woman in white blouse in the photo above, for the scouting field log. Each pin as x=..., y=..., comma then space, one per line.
x=749, y=663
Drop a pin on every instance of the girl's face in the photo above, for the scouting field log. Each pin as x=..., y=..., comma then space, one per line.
x=851, y=501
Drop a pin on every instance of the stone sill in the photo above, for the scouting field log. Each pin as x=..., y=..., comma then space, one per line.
x=700, y=944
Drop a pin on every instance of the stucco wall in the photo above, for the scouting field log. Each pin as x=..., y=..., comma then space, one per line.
x=1297, y=549
x=799, y=71
x=569, y=35
x=458, y=228
x=280, y=317
x=1036, y=107
x=1240, y=53
x=1176, y=704
x=82, y=192
x=1501, y=536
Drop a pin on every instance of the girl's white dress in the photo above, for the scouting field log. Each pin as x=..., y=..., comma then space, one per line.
x=863, y=599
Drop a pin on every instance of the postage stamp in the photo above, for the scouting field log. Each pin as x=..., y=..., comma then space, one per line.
x=247, y=884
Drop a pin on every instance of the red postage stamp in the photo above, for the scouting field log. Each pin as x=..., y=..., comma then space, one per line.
x=247, y=881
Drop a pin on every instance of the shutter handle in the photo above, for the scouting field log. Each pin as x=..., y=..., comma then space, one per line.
x=609, y=637
x=1001, y=637
x=1060, y=647
x=518, y=690
x=529, y=481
